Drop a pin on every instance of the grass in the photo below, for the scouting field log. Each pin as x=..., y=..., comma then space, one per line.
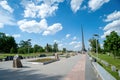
x=42, y=60
x=110, y=59
x=25, y=55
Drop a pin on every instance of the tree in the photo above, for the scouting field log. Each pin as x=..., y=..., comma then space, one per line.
x=25, y=45
x=38, y=48
x=112, y=43
x=6, y=43
x=64, y=50
x=93, y=45
x=55, y=47
x=48, y=48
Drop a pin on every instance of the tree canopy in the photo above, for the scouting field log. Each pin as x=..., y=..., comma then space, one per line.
x=93, y=45
x=7, y=43
x=112, y=43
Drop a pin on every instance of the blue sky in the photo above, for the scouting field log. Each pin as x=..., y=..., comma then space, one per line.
x=49, y=21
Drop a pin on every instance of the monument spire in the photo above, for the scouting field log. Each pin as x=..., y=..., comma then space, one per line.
x=83, y=45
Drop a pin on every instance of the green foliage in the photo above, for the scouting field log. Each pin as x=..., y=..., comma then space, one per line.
x=25, y=46
x=111, y=61
x=48, y=48
x=12, y=50
x=22, y=50
x=38, y=48
x=64, y=50
x=112, y=44
x=55, y=47
x=6, y=43
x=93, y=45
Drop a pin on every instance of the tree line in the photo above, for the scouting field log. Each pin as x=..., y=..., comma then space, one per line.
x=111, y=44
x=9, y=45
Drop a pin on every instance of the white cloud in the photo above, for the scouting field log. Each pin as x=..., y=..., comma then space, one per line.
x=56, y=41
x=106, y=33
x=32, y=26
x=16, y=35
x=113, y=26
x=96, y=4
x=7, y=34
x=73, y=43
x=1, y=25
x=75, y=38
x=68, y=35
x=45, y=9
x=5, y=6
x=53, y=29
x=30, y=10
x=6, y=19
x=60, y=45
x=113, y=16
x=84, y=7
x=75, y=5
x=77, y=46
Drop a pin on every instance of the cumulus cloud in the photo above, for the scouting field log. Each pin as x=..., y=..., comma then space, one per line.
x=16, y=35
x=44, y=9
x=75, y=38
x=32, y=26
x=53, y=29
x=113, y=16
x=75, y=5
x=96, y=4
x=1, y=25
x=5, y=6
x=77, y=46
x=6, y=19
x=113, y=25
x=38, y=27
x=56, y=41
x=73, y=43
x=68, y=35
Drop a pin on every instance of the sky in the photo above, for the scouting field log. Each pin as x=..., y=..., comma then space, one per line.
x=60, y=21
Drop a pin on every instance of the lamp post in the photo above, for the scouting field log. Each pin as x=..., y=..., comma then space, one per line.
x=96, y=37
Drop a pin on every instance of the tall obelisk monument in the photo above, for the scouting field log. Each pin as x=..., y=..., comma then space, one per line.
x=83, y=45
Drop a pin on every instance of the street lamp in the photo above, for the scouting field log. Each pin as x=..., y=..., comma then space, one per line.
x=96, y=37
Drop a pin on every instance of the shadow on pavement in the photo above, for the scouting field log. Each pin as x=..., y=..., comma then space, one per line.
x=17, y=74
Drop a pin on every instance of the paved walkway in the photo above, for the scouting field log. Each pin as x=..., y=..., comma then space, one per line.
x=89, y=70
x=53, y=71
x=73, y=68
x=78, y=72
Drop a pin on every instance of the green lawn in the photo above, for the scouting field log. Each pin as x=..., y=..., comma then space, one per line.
x=110, y=59
x=24, y=55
